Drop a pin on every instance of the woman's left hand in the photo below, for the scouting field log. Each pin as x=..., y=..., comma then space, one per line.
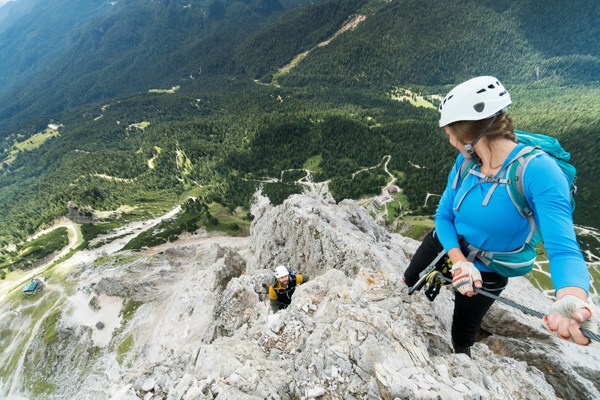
x=568, y=314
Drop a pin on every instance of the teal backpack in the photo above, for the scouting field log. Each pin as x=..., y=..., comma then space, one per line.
x=520, y=261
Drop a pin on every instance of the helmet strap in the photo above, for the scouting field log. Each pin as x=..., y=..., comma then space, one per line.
x=471, y=152
x=469, y=147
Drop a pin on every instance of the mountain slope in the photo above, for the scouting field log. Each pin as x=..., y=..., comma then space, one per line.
x=336, y=106
x=454, y=41
x=35, y=33
x=299, y=30
x=168, y=43
x=158, y=43
x=190, y=320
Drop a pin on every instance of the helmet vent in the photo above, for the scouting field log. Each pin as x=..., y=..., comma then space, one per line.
x=481, y=90
x=479, y=107
x=491, y=86
x=503, y=93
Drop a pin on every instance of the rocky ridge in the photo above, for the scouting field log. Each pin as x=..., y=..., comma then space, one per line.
x=203, y=329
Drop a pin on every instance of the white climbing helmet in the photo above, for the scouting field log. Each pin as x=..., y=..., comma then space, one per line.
x=281, y=271
x=473, y=100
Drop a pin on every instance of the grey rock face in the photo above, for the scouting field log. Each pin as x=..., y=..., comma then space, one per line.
x=309, y=237
x=205, y=330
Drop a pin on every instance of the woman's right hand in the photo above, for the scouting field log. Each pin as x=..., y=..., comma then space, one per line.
x=570, y=312
x=465, y=278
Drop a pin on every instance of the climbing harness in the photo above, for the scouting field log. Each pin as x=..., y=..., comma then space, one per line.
x=434, y=284
x=439, y=277
x=430, y=277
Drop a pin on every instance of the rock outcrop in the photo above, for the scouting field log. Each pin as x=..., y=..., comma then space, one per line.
x=205, y=330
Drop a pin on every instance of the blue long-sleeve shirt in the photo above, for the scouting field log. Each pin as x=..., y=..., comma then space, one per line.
x=499, y=226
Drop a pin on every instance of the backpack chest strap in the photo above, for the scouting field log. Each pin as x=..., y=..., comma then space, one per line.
x=495, y=180
x=503, y=177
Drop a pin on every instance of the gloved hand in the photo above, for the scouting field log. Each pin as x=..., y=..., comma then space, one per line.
x=465, y=277
x=568, y=314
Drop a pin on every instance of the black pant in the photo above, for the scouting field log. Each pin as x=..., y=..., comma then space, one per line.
x=425, y=254
x=468, y=311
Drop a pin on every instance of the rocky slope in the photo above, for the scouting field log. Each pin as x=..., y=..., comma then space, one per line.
x=196, y=324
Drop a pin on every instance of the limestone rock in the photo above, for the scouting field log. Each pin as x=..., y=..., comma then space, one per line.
x=206, y=331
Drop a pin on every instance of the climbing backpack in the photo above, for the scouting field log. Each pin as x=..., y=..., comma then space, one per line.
x=519, y=261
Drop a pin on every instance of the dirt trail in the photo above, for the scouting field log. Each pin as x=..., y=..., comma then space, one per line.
x=296, y=60
x=9, y=285
x=78, y=311
x=16, y=377
x=204, y=241
x=385, y=168
x=122, y=234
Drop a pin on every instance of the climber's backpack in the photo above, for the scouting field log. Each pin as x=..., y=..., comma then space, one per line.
x=520, y=261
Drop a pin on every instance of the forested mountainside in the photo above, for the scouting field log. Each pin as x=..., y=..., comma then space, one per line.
x=439, y=42
x=34, y=33
x=143, y=102
x=101, y=50
x=126, y=47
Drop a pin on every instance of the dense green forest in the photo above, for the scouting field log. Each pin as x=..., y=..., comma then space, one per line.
x=32, y=253
x=159, y=43
x=137, y=45
x=223, y=135
x=229, y=154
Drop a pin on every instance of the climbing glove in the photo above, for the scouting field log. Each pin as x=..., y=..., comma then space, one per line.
x=566, y=306
x=464, y=281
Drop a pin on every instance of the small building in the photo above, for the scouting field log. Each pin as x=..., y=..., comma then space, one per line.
x=34, y=286
x=379, y=201
x=393, y=189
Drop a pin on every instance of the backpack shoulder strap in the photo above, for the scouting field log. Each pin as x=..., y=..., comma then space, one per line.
x=516, y=188
x=516, y=171
x=466, y=165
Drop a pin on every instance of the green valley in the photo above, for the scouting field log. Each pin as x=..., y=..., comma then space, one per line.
x=367, y=86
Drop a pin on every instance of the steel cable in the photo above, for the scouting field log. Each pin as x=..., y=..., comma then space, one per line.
x=586, y=332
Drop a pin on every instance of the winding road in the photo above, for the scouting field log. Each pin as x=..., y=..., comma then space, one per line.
x=8, y=285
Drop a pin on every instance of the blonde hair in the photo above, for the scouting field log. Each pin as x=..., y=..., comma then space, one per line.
x=467, y=131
